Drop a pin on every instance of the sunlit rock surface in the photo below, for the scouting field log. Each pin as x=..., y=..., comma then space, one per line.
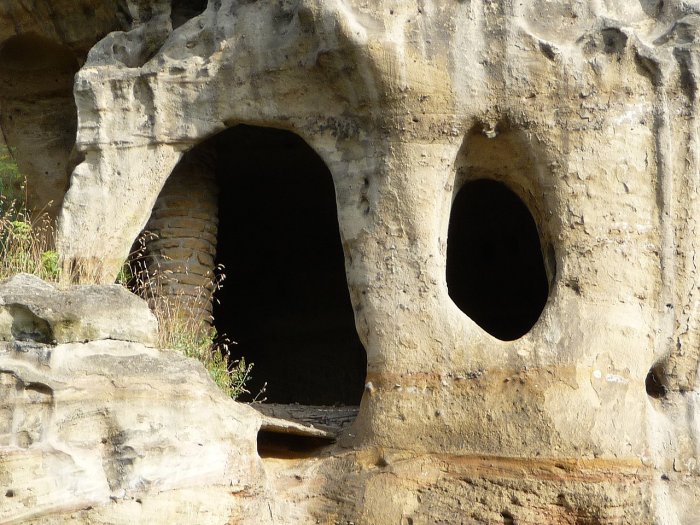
x=97, y=426
x=587, y=111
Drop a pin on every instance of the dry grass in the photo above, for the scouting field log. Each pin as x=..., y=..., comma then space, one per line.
x=201, y=342
x=26, y=240
x=184, y=323
x=27, y=246
x=26, y=243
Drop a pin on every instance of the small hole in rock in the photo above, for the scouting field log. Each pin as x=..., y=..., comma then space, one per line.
x=289, y=446
x=654, y=383
x=10, y=494
x=614, y=40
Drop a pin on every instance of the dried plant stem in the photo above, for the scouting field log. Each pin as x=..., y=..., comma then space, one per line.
x=183, y=318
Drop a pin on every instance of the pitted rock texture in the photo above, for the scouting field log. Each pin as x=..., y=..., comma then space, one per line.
x=42, y=45
x=108, y=429
x=174, y=259
x=587, y=110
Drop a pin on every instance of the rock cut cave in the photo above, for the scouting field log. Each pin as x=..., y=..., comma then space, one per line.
x=285, y=300
x=587, y=111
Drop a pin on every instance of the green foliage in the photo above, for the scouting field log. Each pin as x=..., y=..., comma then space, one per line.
x=180, y=317
x=26, y=241
x=240, y=375
x=26, y=245
x=193, y=340
x=231, y=378
x=20, y=229
x=125, y=274
x=12, y=182
x=50, y=264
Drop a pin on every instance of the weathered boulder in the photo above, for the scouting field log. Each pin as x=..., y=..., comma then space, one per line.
x=96, y=426
x=32, y=310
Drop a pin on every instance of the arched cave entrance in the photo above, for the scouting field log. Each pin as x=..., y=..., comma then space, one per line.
x=285, y=299
x=38, y=114
x=495, y=269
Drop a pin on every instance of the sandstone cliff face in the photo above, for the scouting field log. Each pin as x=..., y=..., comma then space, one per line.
x=586, y=110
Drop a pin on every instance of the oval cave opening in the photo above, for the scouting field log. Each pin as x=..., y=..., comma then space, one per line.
x=495, y=269
x=260, y=204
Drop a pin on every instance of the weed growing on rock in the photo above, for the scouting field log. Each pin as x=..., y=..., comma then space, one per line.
x=12, y=182
x=26, y=239
x=184, y=321
x=199, y=341
x=26, y=246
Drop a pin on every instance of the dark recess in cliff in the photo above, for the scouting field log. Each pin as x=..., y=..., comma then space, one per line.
x=285, y=301
x=495, y=269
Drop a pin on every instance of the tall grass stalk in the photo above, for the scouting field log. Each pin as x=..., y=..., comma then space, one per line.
x=26, y=239
x=183, y=325
x=26, y=243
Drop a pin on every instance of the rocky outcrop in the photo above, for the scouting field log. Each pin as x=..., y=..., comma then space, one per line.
x=97, y=426
x=587, y=111
x=34, y=311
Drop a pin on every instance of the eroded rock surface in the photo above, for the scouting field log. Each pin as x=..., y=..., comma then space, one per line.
x=96, y=426
x=43, y=43
x=587, y=110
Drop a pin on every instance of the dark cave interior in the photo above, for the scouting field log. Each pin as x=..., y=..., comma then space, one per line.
x=495, y=270
x=285, y=300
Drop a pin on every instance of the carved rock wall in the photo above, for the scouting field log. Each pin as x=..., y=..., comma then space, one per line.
x=587, y=110
x=42, y=45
